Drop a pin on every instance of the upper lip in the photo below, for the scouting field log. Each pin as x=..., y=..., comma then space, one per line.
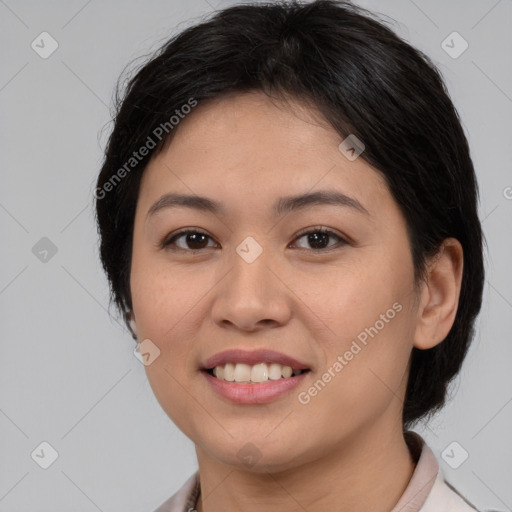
x=253, y=357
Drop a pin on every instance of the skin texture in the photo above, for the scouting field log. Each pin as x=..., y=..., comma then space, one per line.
x=344, y=450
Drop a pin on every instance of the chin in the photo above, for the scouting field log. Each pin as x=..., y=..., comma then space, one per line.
x=258, y=454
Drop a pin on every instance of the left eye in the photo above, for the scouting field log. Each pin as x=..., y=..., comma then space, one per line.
x=318, y=236
x=197, y=240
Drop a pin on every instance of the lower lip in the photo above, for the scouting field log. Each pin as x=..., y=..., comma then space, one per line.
x=259, y=393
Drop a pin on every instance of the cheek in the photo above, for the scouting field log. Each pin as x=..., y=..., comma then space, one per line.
x=366, y=351
x=364, y=373
x=161, y=296
x=353, y=297
x=161, y=300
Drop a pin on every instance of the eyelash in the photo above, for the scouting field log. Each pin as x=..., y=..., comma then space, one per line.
x=168, y=241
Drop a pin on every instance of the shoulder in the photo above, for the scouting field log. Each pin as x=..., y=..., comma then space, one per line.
x=445, y=498
x=184, y=498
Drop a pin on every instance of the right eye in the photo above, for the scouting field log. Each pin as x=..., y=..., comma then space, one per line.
x=193, y=238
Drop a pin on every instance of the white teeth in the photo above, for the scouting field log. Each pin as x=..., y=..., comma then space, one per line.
x=259, y=373
x=274, y=371
x=262, y=372
x=229, y=372
x=242, y=373
x=286, y=372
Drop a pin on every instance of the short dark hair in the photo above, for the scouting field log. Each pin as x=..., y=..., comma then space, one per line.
x=366, y=81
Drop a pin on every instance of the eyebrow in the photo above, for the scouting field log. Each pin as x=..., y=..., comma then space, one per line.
x=281, y=206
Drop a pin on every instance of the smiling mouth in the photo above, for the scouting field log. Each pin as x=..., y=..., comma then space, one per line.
x=253, y=374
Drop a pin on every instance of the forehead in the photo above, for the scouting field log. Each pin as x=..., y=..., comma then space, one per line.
x=248, y=150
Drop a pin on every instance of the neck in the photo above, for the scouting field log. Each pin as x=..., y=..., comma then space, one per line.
x=368, y=472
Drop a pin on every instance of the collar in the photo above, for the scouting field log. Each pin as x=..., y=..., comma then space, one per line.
x=423, y=477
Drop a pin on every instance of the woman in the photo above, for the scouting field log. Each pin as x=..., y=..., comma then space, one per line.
x=288, y=220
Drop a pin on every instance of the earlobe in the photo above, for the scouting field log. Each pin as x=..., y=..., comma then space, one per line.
x=440, y=295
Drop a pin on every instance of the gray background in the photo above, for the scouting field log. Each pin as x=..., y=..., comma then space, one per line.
x=68, y=375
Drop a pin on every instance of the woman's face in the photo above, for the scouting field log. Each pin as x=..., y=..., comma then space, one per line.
x=266, y=278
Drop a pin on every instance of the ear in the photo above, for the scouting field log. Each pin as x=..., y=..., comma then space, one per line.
x=439, y=295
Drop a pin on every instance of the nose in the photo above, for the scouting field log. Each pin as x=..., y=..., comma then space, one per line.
x=252, y=296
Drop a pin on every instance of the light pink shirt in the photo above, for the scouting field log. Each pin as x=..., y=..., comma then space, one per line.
x=427, y=490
